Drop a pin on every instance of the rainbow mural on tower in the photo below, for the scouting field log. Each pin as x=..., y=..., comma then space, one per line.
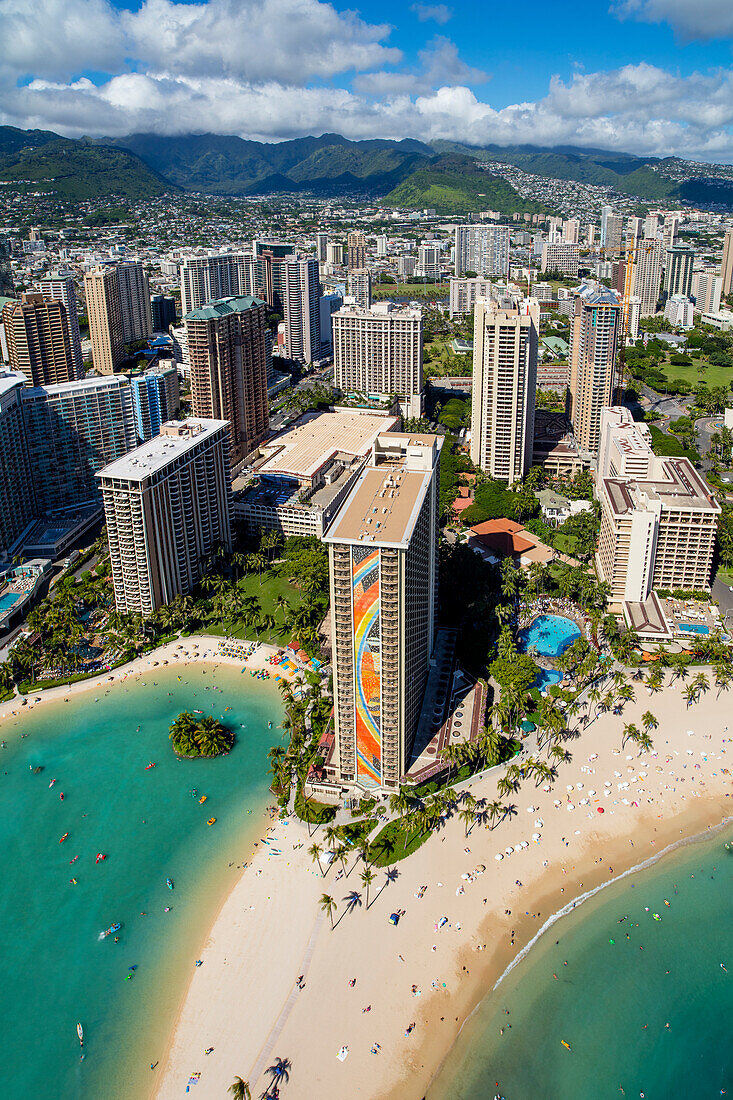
x=367, y=659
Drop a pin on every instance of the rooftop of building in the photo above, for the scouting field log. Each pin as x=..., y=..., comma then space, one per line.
x=176, y=437
x=379, y=310
x=223, y=307
x=679, y=488
x=9, y=379
x=383, y=506
x=80, y=385
x=594, y=294
x=308, y=445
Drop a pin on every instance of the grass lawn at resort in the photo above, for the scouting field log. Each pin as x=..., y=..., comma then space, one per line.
x=266, y=587
x=395, y=842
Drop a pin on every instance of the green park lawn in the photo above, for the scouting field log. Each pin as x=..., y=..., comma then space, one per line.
x=710, y=376
x=413, y=290
x=266, y=587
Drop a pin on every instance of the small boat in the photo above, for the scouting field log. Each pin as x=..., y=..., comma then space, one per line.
x=203, y=798
x=198, y=712
x=63, y=838
x=112, y=928
x=269, y=725
x=211, y=821
x=149, y=766
x=73, y=882
x=566, y=1045
x=52, y=783
x=169, y=883
x=100, y=856
x=80, y=1033
x=74, y=859
x=61, y=796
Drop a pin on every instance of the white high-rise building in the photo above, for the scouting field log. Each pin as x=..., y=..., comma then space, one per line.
x=59, y=286
x=379, y=352
x=571, y=231
x=464, y=292
x=167, y=506
x=504, y=384
x=561, y=257
x=678, y=310
x=428, y=261
x=647, y=274
x=483, y=249
x=360, y=288
x=652, y=224
x=707, y=290
x=209, y=278
x=382, y=247
x=301, y=294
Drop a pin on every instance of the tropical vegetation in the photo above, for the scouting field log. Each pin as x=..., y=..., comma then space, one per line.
x=194, y=737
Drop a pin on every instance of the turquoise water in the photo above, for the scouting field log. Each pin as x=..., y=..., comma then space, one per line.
x=549, y=634
x=57, y=971
x=694, y=628
x=8, y=600
x=546, y=677
x=612, y=1001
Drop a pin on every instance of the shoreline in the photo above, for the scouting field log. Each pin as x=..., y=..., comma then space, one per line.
x=667, y=804
x=174, y=654
x=568, y=908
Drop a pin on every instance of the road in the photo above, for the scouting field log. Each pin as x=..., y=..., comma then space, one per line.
x=672, y=407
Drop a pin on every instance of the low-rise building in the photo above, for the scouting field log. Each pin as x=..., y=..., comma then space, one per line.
x=301, y=476
x=679, y=310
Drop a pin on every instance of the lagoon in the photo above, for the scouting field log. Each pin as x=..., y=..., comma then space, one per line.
x=151, y=826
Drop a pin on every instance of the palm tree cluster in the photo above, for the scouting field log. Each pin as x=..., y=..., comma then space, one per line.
x=196, y=737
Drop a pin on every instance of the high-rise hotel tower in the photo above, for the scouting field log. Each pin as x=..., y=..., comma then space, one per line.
x=383, y=554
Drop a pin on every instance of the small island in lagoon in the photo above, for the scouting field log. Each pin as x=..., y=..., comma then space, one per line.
x=195, y=738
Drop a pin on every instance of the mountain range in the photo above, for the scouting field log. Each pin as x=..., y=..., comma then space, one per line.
x=448, y=176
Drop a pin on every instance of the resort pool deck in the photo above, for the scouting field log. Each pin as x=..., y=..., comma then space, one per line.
x=549, y=635
x=546, y=677
x=9, y=600
x=693, y=628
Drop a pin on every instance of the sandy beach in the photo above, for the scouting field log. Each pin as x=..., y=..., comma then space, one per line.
x=244, y=1000
x=180, y=652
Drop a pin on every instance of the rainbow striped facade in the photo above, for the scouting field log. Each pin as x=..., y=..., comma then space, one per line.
x=365, y=563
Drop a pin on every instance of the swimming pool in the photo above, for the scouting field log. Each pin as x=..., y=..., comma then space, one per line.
x=546, y=677
x=694, y=628
x=8, y=600
x=550, y=635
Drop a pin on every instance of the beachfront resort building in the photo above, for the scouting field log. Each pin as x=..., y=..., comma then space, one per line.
x=504, y=384
x=594, y=336
x=383, y=558
x=301, y=476
x=658, y=515
x=228, y=369
x=378, y=352
x=167, y=506
x=17, y=499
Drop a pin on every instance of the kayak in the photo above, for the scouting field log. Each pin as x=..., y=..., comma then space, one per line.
x=100, y=857
x=63, y=838
x=169, y=883
x=80, y=1033
x=203, y=799
x=112, y=928
x=566, y=1045
x=211, y=821
x=149, y=766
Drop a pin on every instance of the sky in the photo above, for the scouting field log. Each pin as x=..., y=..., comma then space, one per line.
x=652, y=77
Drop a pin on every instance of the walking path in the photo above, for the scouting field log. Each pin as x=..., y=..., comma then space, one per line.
x=274, y=1035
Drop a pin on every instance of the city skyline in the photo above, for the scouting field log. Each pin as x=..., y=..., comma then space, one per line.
x=643, y=76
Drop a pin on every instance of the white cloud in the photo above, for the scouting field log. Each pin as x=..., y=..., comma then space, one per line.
x=264, y=69
x=438, y=13
x=692, y=19
x=440, y=64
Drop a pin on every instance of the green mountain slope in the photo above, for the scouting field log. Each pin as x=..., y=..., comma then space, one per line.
x=329, y=164
x=646, y=177
x=75, y=170
x=454, y=184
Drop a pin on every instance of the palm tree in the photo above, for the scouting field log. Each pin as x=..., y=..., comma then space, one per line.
x=644, y=742
x=315, y=852
x=701, y=683
x=649, y=721
x=690, y=694
x=279, y=1071
x=328, y=905
x=353, y=901
x=240, y=1089
x=631, y=733
x=494, y=810
x=367, y=877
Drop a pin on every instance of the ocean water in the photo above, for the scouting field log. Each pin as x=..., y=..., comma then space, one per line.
x=56, y=969
x=647, y=1015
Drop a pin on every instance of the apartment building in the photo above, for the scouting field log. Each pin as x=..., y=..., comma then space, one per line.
x=356, y=250
x=228, y=369
x=464, y=292
x=646, y=276
x=58, y=286
x=726, y=267
x=156, y=398
x=17, y=497
x=38, y=341
x=707, y=289
x=560, y=256
x=301, y=291
x=678, y=271
x=378, y=352
x=104, y=310
x=505, y=337
x=167, y=505
x=482, y=249
x=594, y=336
x=658, y=516
x=209, y=278
x=72, y=431
x=383, y=561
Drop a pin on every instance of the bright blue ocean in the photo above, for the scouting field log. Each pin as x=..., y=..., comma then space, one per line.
x=56, y=971
x=612, y=1002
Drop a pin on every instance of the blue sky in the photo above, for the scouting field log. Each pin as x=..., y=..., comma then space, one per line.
x=646, y=76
